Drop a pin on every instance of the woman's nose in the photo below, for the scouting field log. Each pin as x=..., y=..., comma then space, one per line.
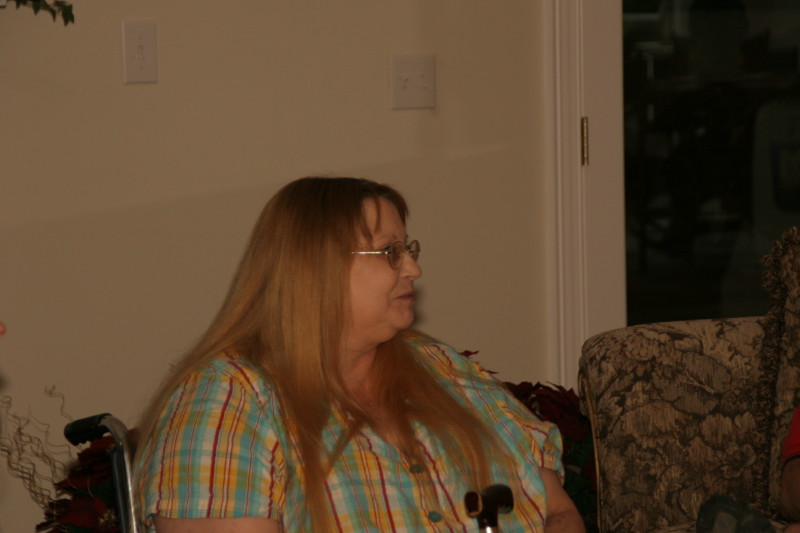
x=409, y=267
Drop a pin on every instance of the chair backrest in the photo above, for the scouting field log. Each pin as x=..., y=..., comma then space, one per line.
x=680, y=411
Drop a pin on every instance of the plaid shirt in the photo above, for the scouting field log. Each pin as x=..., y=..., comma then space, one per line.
x=223, y=451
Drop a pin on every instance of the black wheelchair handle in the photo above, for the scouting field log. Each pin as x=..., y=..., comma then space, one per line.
x=86, y=429
x=94, y=427
x=501, y=498
x=485, y=506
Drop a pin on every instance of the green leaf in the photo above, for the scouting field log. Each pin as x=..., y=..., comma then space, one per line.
x=58, y=7
x=66, y=15
x=580, y=454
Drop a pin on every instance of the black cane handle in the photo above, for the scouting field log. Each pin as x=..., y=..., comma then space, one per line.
x=488, y=504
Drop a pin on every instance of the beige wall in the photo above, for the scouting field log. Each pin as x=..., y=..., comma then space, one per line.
x=124, y=208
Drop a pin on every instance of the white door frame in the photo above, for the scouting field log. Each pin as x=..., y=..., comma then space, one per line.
x=586, y=238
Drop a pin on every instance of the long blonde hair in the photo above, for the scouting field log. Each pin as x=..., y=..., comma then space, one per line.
x=286, y=312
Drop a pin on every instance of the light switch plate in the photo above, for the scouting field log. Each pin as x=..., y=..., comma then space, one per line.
x=139, y=51
x=413, y=81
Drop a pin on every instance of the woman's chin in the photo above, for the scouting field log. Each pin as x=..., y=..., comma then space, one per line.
x=407, y=321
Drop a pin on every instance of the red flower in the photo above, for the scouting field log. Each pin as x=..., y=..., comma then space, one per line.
x=84, y=512
x=93, y=467
x=562, y=407
x=90, y=504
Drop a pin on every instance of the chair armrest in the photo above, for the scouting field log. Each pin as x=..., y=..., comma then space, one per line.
x=679, y=411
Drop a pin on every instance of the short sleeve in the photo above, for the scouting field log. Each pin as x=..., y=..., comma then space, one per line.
x=544, y=438
x=216, y=452
x=531, y=440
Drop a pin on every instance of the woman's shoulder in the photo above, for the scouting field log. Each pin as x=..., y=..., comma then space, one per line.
x=237, y=370
x=444, y=358
x=431, y=347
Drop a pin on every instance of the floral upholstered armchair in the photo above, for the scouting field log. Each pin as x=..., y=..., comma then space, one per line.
x=681, y=411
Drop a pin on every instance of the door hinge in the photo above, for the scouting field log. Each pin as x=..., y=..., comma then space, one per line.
x=584, y=141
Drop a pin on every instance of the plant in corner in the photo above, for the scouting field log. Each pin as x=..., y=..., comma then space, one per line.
x=56, y=8
x=87, y=499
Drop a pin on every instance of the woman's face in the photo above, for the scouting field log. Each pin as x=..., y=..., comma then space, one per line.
x=382, y=298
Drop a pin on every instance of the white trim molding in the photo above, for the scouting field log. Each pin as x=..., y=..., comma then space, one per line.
x=566, y=264
x=586, y=220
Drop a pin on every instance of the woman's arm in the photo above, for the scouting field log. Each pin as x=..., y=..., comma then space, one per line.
x=562, y=515
x=790, y=490
x=217, y=525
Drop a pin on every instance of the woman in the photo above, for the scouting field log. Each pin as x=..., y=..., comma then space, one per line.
x=309, y=406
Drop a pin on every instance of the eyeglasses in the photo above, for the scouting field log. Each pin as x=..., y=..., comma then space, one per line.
x=394, y=252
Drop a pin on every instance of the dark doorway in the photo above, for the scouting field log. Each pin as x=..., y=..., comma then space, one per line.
x=712, y=152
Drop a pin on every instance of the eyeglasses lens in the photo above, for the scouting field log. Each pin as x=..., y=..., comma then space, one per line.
x=398, y=249
x=395, y=253
x=413, y=249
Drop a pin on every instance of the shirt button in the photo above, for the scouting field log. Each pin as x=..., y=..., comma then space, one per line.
x=434, y=516
x=416, y=469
